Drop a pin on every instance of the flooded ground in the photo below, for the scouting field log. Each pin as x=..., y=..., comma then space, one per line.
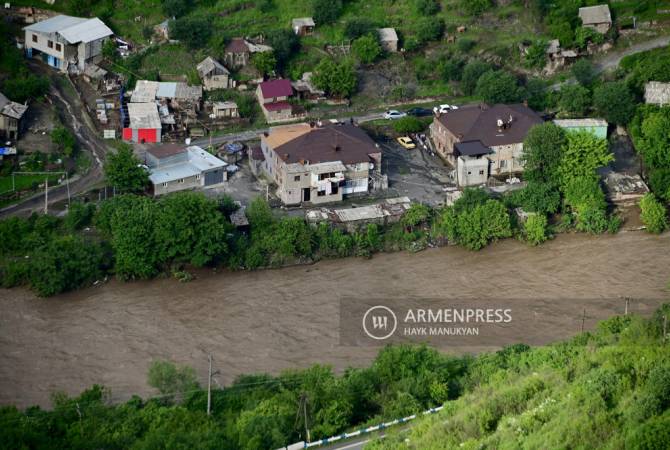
x=278, y=319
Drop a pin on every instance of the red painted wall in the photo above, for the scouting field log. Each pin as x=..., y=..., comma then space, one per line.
x=127, y=134
x=146, y=135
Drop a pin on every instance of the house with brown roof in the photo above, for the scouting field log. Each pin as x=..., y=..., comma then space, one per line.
x=273, y=97
x=314, y=163
x=495, y=133
x=596, y=17
x=236, y=53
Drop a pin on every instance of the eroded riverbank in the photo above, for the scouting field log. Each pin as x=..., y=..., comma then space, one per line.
x=278, y=319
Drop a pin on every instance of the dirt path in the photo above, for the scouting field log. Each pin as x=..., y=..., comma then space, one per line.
x=278, y=319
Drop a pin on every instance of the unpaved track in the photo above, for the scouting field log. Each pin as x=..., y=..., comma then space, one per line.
x=278, y=319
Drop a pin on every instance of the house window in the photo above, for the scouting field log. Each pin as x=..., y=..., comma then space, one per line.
x=34, y=38
x=58, y=47
x=321, y=193
x=181, y=180
x=481, y=172
x=50, y=44
x=164, y=184
x=503, y=163
x=197, y=177
x=469, y=173
x=296, y=178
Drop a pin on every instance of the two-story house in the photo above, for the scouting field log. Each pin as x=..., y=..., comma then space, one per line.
x=67, y=43
x=11, y=115
x=499, y=129
x=314, y=163
x=273, y=97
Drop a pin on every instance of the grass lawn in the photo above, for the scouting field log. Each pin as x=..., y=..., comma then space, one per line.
x=24, y=182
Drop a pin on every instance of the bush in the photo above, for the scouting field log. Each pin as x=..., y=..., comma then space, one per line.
x=367, y=48
x=584, y=72
x=194, y=31
x=498, y=87
x=465, y=45
x=337, y=78
x=475, y=7
x=575, y=99
x=471, y=74
x=536, y=56
x=326, y=11
x=427, y=7
x=176, y=8
x=408, y=124
x=123, y=171
x=653, y=214
x=429, y=29
x=172, y=381
x=615, y=102
x=357, y=27
x=535, y=229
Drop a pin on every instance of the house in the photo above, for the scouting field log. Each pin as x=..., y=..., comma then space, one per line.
x=303, y=26
x=305, y=89
x=597, y=18
x=214, y=75
x=169, y=95
x=499, y=128
x=222, y=110
x=553, y=48
x=388, y=39
x=237, y=53
x=472, y=165
x=657, y=93
x=142, y=123
x=595, y=126
x=173, y=167
x=273, y=97
x=67, y=43
x=11, y=115
x=163, y=30
x=315, y=164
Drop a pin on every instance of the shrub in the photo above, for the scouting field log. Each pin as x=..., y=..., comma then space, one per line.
x=653, y=214
x=475, y=7
x=357, y=27
x=427, y=7
x=575, y=99
x=583, y=71
x=498, y=87
x=473, y=223
x=465, y=45
x=326, y=11
x=367, y=48
x=408, y=124
x=429, y=29
x=536, y=56
x=471, y=74
x=194, y=31
x=535, y=229
x=615, y=102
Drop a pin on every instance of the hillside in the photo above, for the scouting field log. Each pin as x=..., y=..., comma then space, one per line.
x=609, y=389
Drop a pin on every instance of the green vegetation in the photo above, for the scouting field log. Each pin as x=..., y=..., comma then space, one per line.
x=409, y=124
x=609, y=387
x=16, y=82
x=605, y=389
x=535, y=229
x=123, y=171
x=337, y=78
x=654, y=214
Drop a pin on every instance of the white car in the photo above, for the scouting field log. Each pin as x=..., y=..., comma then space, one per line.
x=443, y=109
x=393, y=114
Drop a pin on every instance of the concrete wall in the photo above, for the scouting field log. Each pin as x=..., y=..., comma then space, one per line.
x=506, y=159
x=444, y=141
x=472, y=171
x=174, y=186
x=84, y=53
x=9, y=128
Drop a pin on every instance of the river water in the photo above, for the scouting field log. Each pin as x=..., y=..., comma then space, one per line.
x=268, y=321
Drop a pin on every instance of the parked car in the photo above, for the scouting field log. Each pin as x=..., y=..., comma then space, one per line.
x=393, y=114
x=406, y=142
x=419, y=112
x=443, y=109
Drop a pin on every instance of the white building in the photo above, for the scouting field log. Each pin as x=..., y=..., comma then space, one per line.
x=67, y=43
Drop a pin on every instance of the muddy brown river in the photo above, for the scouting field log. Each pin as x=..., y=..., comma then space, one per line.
x=271, y=320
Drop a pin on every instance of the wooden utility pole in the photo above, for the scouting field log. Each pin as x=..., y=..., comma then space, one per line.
x=627, y=301
x=302, y=408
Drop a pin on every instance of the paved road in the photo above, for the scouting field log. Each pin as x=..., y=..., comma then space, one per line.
x=74, y=116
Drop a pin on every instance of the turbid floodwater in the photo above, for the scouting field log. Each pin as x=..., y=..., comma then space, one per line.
x=271, y=320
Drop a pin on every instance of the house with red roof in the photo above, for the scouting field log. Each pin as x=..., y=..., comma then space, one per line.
x=273, y=97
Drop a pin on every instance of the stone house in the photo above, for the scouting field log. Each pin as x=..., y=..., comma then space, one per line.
x=11, y=115
x=388, y=39
x=225, y=110
x=499, y=128
x=317, y=164
x=214, y=75
x=596, y=17
x=303, y=26
x=67, y=43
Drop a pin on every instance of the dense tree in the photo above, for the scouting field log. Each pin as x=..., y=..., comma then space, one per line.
x=25, y=87
x=64, y=264
x=451, y=69
x=498, y=87
x=429, y=29
x=542, y=153
x=176, y=8
x=584, y=71
x=367, y=48
x=284, y=43
x=615, y=102
x=575, y=100
x=653, y=214
x=357, y=27
x=79, y=215
x=471, y=74
x=194, y=30
x=326, y=11
x=427, y=7
x=475, y=7
x=264, y=62
x=189, y=228
x=337, y=78
x=539, y=197
x=172, y=382
x=583, y=154
x=123, y=171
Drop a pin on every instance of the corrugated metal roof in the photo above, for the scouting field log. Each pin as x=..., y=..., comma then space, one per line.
x=145, y=91
x=166, y=89
x=91, y=30
x=198, y=161
x=572, y=123
x=387, y=34
x=592, y=15
x=55, y=24
x=144, y=115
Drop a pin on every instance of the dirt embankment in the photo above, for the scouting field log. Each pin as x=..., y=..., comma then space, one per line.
x=278, y=319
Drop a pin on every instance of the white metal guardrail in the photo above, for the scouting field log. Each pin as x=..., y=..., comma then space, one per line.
x=362, y=431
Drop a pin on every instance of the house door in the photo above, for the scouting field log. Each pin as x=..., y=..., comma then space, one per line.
x=306, y=195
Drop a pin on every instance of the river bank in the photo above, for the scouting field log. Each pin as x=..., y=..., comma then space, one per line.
x=271, y=320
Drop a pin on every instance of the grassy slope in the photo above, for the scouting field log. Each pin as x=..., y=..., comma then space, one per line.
x=596, y=391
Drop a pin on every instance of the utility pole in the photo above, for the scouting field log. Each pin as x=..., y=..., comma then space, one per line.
x=583, y=319
x=46, y=195
x=627, y=301
x=302, y=407
x=665, y=327
x=209, y=386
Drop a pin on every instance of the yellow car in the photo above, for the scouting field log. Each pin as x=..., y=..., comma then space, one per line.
x=406, y=142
